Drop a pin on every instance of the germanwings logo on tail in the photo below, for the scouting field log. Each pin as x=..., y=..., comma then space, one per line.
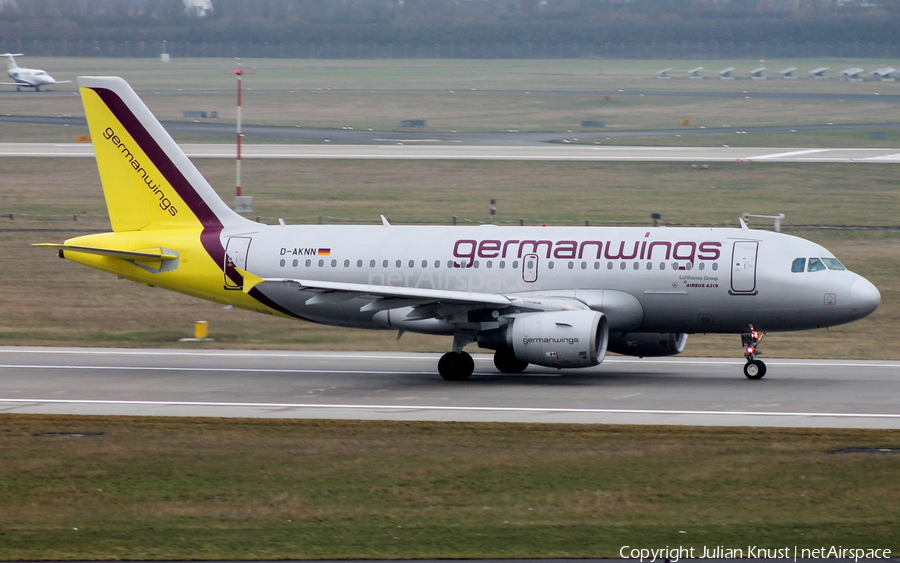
x=164, y=203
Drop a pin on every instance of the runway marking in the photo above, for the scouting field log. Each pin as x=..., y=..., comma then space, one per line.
x=883, y=158
x=538, y=410
x=221, y=353
x=388, y=356
x=231, y=370
x=422, y=150
x=787, y=154
x=386, y=372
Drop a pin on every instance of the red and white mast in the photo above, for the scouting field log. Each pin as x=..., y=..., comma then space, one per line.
x=239, y=72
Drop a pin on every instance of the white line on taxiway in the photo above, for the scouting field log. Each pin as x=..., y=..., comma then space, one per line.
x=447, y=408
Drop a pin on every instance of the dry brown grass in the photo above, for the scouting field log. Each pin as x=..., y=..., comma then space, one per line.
x=169, y=488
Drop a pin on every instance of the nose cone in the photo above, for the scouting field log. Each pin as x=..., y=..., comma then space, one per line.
x=864, y=298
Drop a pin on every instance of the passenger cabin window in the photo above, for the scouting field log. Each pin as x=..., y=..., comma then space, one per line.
x=815, y=265
x=798, y=265
x=833, y=264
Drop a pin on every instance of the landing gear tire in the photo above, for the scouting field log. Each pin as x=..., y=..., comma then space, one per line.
x=456, y=366
x=755, y=369
x=507, y=362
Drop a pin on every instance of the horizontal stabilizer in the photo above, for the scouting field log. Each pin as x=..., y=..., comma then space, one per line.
x=145, y=254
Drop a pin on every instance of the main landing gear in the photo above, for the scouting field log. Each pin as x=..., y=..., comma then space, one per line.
x=753, y=369
x=456, y=366
x=506, y=361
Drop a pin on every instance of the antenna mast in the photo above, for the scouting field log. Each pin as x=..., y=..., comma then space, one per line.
x=242, y=204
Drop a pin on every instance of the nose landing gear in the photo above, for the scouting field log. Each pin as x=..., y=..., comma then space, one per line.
x=753, y=369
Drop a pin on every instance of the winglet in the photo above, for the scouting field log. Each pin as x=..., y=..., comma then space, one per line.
x=384, y=221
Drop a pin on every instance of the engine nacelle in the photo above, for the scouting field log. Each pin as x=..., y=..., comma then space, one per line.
x=559, y=339
x=648, y=343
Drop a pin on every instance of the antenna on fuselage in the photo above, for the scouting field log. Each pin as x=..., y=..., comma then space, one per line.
x=776, y=218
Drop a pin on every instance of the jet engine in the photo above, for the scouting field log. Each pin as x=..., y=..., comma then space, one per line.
x=559, y=339
x=648, y=343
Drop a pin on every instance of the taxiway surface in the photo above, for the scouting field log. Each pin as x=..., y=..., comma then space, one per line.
x=406, y=386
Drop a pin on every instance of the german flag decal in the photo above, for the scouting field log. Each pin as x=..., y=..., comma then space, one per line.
x=324, y=252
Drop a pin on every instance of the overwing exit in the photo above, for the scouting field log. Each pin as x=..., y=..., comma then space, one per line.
x=27, y=77
x=561, y=297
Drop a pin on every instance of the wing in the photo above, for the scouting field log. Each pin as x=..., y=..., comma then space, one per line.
x=423, y=300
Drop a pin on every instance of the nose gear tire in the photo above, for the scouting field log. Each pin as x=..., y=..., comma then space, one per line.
x=755, y=369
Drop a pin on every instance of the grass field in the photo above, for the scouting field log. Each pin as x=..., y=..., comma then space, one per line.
x=150, y=488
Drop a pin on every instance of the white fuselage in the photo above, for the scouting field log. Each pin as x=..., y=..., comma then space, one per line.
x=685, y=279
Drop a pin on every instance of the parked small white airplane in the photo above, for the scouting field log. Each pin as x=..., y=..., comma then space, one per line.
x=27, y=77
x=552, y=296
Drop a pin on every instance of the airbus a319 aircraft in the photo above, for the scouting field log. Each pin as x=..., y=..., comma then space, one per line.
x=28, y=77
x=561, y=297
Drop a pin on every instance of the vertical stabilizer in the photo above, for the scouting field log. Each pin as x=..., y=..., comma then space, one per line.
x=148, y=181
x=12, y=60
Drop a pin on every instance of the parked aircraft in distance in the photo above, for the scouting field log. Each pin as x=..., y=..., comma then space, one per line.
x=27, y=77
x=552, y=296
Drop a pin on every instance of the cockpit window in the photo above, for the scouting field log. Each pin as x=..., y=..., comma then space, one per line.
x=798, y=265
x=815, y=265
x=833, y=264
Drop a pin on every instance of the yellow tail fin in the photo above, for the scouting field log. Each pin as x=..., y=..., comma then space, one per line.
x=148, y=181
